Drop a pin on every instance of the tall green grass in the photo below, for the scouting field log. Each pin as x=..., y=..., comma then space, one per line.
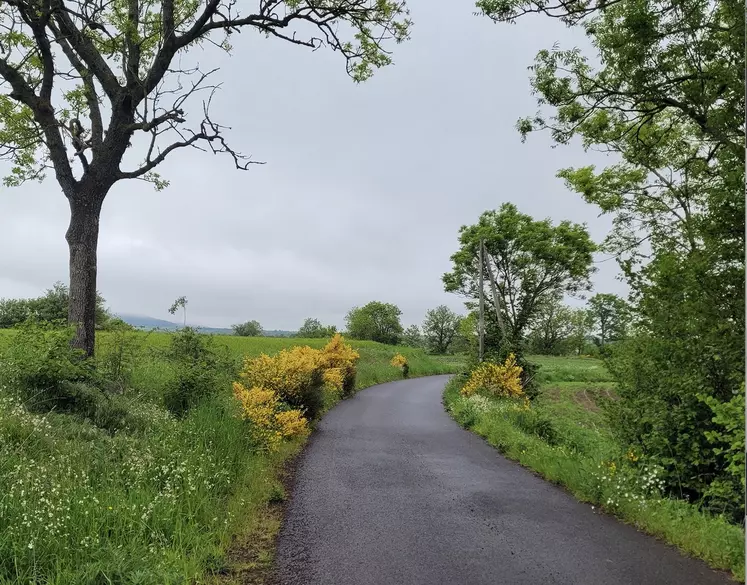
x=158, y=500
x=565, y=438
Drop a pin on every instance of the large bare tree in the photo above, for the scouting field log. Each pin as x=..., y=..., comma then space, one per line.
x=81, y=80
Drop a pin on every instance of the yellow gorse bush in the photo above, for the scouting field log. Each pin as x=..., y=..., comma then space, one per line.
x=334, y=379
x=339, y=360
x=291, y=423
x=293, y=373
x=399, y=361
x=497, y=379
x=294, y=377
x=270, y=425
x=338, y=354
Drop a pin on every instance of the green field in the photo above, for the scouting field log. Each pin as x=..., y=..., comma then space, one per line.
x=155, y=500
x=373, y=368
x=565, y=437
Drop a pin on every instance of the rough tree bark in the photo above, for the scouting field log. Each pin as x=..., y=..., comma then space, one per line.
x=85, y=198
x=82, y=238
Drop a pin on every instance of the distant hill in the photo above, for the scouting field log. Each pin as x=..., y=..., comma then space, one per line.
x=144, y=322
x=279, y=333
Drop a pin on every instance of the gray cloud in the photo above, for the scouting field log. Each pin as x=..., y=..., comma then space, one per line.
x=362, y=196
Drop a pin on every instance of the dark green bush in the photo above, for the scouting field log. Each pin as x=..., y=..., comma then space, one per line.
x=536, y=423
x=116, y=356
x=41, y=367
x=48, y=375
x=671, y=413
x=106, y=411
x=348, y=381
x=199, y=370
x=311, y=398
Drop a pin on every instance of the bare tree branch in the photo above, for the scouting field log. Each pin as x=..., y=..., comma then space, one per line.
x=210, y=133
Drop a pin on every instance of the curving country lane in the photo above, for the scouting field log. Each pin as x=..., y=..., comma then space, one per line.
x=391, y=491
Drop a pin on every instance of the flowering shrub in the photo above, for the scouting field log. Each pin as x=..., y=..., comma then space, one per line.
x=499, y=380
x=299, y=375
x=400, y=361
x=334, y=380
x=295, y=375
x=270, y=425
x=339, y=360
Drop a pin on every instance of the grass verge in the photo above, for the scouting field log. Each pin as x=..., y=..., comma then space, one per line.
x=148, y=498
x=564, y=438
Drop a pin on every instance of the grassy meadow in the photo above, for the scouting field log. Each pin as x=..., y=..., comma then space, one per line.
x=127, y=493
x=565, y=438
x=373, y=367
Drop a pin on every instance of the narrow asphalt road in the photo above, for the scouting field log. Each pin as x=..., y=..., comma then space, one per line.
x=391, y=491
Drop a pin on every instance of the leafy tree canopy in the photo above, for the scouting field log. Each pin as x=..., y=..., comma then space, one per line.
x=525, y=260
x=664, y=93
x=440, y=327
x=375, y=321
x=412, y=336
x=313, y=329
x=83, y=83
x=248, y=329
x=610, y=316
x=51, y=307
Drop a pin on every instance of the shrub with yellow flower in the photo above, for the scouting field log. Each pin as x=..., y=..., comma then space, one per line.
x=300, y=375
x=334, y=380
x=502, y=380
x=339, y=360
x=295, y=375
x=400, y=361
x=269, y=423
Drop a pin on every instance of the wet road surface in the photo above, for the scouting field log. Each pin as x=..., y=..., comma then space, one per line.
x=390, y=490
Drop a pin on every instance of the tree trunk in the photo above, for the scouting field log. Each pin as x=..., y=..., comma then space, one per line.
x=82, y=237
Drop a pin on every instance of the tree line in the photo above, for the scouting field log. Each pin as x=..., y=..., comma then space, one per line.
x=442, y=331
x=560, y=329
x=52, y=307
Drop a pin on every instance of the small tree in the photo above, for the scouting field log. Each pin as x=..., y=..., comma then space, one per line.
x=439, y=329
x=375, y=321
x=412, y=336
x=581, y=326
x=465, y=340
x=313, y=329
x=248, y=329
x=82, y=80
x=610, y=316
x=180, y=302
x=552, y=328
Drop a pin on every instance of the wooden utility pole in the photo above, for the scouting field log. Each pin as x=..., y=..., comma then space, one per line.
x=481, y=322
x=496, y=300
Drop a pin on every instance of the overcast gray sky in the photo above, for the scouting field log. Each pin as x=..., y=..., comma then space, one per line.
x=362, y=196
